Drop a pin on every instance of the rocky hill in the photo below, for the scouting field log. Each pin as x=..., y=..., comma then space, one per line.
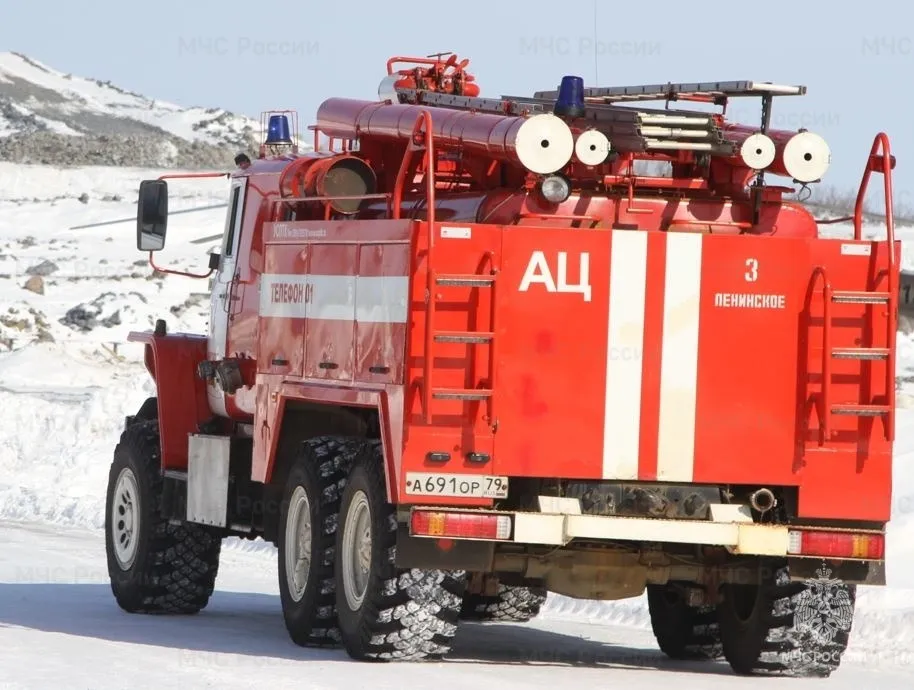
x=52, y=118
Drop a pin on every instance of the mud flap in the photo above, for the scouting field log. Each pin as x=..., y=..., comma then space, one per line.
x=848, y=572
x=208, y=460
x=443, y=554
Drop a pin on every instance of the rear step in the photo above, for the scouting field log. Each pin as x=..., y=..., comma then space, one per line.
x=860, y=353
x=860, y=410
x=470, y=280
x=464, y=337
x=859, y=297
x=461, y=393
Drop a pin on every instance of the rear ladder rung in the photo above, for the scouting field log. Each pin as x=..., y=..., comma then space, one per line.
x=861, y=410
x=469, y=280
x=461, y=393
x=471, y=337
x=860, y=353
x=859, y=297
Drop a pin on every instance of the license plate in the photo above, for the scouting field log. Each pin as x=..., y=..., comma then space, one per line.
x=456, y=485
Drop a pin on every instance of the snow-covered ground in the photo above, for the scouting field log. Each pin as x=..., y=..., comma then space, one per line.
x=68, y=297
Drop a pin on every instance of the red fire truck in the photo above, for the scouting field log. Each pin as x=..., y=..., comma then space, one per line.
x=467, y=352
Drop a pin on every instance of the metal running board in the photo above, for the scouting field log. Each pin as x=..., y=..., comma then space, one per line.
x=469, y=280
x=860, y=353
x=860, y=410
x=461, y=393
x=859, y=297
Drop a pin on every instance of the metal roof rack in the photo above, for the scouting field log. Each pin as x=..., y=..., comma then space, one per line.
x=709, y=90
x=634, y=130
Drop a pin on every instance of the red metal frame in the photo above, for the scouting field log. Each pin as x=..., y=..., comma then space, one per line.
x=825, y=398
x=422, y=140
x=883, y=163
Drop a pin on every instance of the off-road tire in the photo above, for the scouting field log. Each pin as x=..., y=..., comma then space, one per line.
x=320, y=470
x=175, y=566
x=508, y=605
x=683, y=632
x=778, y=627
x=405, y=614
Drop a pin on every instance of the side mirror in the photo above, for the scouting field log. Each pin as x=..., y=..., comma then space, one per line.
x=214, y=259
x=152, y=215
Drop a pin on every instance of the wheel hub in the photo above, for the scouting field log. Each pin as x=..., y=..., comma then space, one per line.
x=298, y=543
x=125, y=518
x=356, y=550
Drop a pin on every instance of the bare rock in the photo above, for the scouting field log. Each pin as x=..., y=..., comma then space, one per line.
x=35, y=284
x=45, y=268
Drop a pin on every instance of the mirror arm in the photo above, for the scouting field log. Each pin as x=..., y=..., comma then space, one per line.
x=186, y=274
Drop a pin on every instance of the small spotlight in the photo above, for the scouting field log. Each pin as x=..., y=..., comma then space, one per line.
x=555, y=188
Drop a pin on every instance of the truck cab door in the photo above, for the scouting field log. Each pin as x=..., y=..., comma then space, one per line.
x=225, y=291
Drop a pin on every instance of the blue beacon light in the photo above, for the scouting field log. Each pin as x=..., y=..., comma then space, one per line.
x=278, y=130
x=570, y=102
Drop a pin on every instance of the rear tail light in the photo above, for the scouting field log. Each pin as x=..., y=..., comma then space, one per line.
x=836, y=545
x=460, y=525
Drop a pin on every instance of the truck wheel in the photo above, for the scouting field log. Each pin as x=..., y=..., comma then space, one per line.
x=779, y=627
x=154, y=566
x=308, y=519
x=387, y=613
x=508, y=605
x=683, y=632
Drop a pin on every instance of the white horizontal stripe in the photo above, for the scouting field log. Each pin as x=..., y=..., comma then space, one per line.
x=679, y=350
x=344, y=298
x=283, y=296
x=331, y=297
x=382, y=299
x=624, y=354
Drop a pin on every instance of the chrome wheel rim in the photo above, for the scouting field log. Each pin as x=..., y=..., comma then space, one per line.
x=298, y=543
x=125, y=518
x=356, y=554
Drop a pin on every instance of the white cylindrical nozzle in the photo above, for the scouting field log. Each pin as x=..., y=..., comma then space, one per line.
x=592, y=147
x=757, y=151
x=806, y=157
x=544, y=143
x=386, y=90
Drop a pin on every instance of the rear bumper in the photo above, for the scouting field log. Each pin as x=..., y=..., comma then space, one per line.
x=730, y=526
x=724, y=529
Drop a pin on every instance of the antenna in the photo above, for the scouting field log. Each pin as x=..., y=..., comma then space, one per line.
x=596, y=62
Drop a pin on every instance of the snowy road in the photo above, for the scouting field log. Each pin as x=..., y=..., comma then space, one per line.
x=60, y=627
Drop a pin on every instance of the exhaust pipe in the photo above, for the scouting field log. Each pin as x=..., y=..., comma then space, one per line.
x=763, y=500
